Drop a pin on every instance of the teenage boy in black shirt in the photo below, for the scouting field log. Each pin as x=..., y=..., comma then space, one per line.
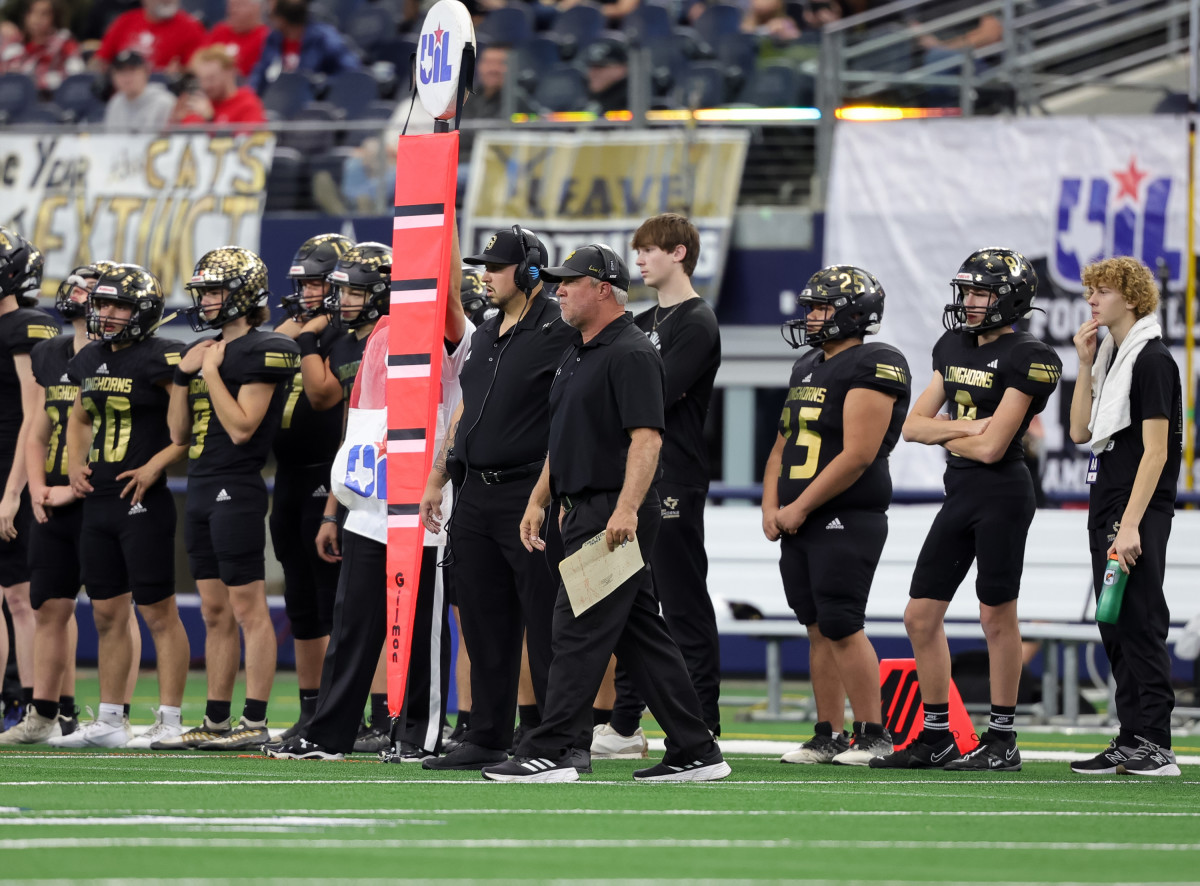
x=1127, y=404
x=606, y=424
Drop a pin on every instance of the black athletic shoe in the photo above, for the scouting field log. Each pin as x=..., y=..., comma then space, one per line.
x=455, y=738
x=929, y=750
x=534, y=770
x=996, y=752
x=581, y=759
x=298, y=748
x=405, y=752
x=371, y=739
x=68, y=721
x=709, y=768
x=466, y=756
x=295, y=729
x=1150, y=759
x=1105, y=762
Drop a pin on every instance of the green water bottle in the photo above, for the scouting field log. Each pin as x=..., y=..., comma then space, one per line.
x=1112, y=593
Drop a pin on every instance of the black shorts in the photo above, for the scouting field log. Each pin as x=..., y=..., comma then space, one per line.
x=985, y=518
x=225, y=528
x=309, y=583
x=828, y=566
x=128, y=548
x=54, y=567
x=14, y=555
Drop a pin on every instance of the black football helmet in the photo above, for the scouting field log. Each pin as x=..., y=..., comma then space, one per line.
x=31, y=289
x=857, y=299
x=313, y=262
x=1003, y=272
x=79, y=278
x=129, y=285
x=365, y=266
x=240, y=273
x=18, y=258
x=473, y=291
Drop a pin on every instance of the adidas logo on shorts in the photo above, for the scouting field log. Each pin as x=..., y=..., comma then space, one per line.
x=102, y=369
x=995, y=364
x=320, y=492
x=835, y=523
x=224, y=496
x=138, y=508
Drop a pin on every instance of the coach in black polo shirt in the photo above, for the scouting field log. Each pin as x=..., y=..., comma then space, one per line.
x=606, y=422
x=499, y=438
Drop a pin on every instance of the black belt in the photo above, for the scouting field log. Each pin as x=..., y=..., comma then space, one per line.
x=508, y=475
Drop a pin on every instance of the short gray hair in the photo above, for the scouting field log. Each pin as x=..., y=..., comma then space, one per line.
x=620, y=296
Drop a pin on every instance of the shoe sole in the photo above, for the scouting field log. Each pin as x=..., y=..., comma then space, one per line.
x=1165, y=770
x=950, y=767
x=328, y=758
x=784, y=759
x=863, y=761
x=1110, y=770
x=460, y=767
x=251, y=745
x=715, y=772
x=89, y=744
x=554, y=776
x=623, y=755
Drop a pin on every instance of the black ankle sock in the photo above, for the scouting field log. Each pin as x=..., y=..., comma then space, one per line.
x=128, y=708
x=530, y=716
x=217, y=711
x=379, y=709
x=26, y=695
x=937, y=717
x=255, y=710
x=66, y=705
x=1002, y=720
x=462, y=721
x=625, y=722
x=600, y=716
x=47, y=709
x=308, y=703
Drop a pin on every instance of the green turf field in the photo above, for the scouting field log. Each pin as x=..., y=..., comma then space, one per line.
x=145, y=816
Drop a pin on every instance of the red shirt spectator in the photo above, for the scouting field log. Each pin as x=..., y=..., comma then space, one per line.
x=219, y=100
x=167, y=40
x=44, y=49
x=242, y=33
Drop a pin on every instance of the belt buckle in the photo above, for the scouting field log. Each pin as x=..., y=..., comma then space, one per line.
x=565, y=502
x=490, y=478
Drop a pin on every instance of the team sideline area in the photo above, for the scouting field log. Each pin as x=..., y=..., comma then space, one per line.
x=148, y=817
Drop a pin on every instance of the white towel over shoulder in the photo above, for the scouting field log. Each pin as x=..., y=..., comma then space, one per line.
x=1111, y=384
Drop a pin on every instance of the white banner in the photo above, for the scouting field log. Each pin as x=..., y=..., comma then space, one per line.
x=910, y=200
x=157, y=201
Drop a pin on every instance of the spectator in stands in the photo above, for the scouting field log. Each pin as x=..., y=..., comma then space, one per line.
x=242, y=33
x=368, y=181
x=769, y=18
x=970, y=35
x=490, y=71
x=43, y=48
x=216, y=97
x=160, y=31
x=614, y=10
x=75, y=16
x=137, y=105
x=607, y=63
x=297, y=44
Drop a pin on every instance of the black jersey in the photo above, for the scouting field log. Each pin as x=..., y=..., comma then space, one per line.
x=345, y=353
x=123, y=393
x=253, y=357
x=812, y=421
x=689, y=342
x=306, y=436
x=975, y=377
x=50, y=360
x=20, y=330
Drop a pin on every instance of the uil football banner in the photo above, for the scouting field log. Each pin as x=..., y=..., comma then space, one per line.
x=572, y=189
x=421, y=251
x=157, y=201
x=910, y=200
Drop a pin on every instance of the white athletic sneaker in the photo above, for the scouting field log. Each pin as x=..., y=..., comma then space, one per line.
x=157, y=732
x=33, y=729
x=863, y=747
x=96, y=734
x=608, y=744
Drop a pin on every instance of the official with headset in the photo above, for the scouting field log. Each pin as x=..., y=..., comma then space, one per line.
x=499, y=438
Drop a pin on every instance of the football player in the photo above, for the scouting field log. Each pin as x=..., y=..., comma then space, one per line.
x=304, y=449
x=21, y=327
x=228, y=400
x=995, y=380
x=118, y=449
x=826, y=492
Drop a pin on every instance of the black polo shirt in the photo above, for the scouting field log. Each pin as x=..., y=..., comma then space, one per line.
x=603, y=389
x=506, y=388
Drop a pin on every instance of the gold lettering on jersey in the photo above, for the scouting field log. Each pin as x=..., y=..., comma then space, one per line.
x=810, y=393
x=197, y=386
x=348, y=371
x=172, y=357
x=110, y=384
x=1044, y=372
x=62, y=392
x=280, y=360
x=36, y=330
x=892, y=373
x=975, y=378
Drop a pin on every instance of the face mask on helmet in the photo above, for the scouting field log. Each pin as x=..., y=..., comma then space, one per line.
x=16, y=257
x=473, y=291
x=237, y=273
x=124, y=288
x=366, y=267
x=313, y=262
x=855, y=297
x=71, y=301
x=1008, y=279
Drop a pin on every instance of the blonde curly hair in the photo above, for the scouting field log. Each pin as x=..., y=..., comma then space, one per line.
x=1127, y=276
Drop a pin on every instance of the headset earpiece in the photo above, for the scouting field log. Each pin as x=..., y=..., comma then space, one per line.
x=526, y=274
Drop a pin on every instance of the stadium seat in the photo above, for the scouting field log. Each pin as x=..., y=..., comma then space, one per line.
x=576, y=28
x=369, y=26
x=286, y=185
x=400, y=53
x=534, y=59
x=562, y=88
x=320, y=136
x=690, y=44
x=77, y=96
x=287, y=94
x=380, y=111
x=717, y=21
x=646, y=24
x=703, y=85
x=778, y=86
x=351, y=91
x=511, y=25
x=737, y=50
x=17, y=92
x=41, y=113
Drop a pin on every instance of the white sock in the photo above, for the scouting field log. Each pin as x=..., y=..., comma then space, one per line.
x=112, y=714
x=170, y=716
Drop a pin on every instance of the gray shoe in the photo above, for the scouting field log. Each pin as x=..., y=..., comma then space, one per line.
x=1105, y=762
x=33, y=729
x=821, y=748
x=1150, y=759
x=864, y=746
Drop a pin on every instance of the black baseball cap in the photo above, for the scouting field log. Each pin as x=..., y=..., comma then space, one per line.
x=129, y=58
x=602, y=264
x=505, y=248
x=606, y=51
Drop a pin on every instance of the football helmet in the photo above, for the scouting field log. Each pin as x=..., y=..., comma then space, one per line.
x=129, y=285
x=18, y=257
x=240, y=273
x=367, y=266
x=313, y=261
x=857, y=300
x=1003, y=272
x=473, y=291
x=79, y=278
x=31, y=289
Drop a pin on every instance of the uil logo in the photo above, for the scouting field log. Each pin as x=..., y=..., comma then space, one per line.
x=434, y=57
x=1121, y=213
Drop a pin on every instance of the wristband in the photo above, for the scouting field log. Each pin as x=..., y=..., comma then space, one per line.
x=308, y=343
x=329, y=518
x=182, y=378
